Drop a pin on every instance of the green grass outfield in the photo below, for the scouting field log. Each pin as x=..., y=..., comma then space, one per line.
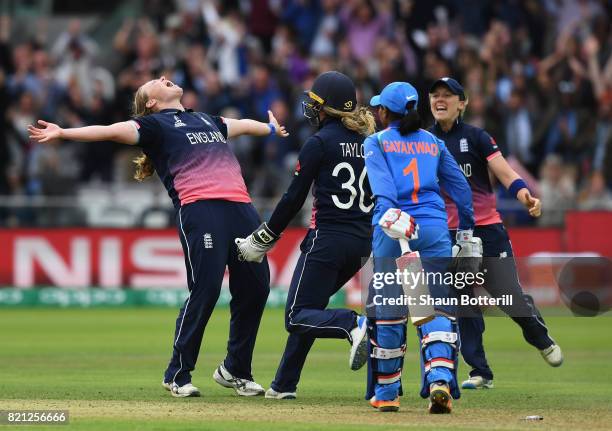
x=105, y=366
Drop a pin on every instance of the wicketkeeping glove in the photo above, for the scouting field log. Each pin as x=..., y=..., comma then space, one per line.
x=399, y=225
x=467, y=252
x=254, y=247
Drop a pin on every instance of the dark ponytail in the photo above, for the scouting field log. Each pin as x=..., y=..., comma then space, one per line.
x=411, y=122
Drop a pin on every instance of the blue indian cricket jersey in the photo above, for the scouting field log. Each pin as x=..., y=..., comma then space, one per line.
x=406, y=172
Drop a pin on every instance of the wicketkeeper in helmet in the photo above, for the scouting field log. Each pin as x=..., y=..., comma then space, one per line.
x=331, y=162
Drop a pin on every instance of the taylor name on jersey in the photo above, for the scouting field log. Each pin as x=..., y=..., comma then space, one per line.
x=352, y=149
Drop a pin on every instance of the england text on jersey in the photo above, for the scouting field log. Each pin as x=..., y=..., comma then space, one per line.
x=191, y=156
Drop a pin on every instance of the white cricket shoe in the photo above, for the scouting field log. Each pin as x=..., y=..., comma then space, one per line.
x=477, y=382
x=272, y=394
x=359, y=349
x=167, y=386
x=552, y=355
x=243, y=387
x=187, y=390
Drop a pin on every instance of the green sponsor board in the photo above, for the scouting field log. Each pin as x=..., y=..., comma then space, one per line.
x=92, y=297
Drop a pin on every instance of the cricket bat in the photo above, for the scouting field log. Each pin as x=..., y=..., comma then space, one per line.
x=411, y=262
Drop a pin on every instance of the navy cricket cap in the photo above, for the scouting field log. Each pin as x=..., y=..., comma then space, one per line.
x=450, y=83
x=396, y=96
x=334, y=89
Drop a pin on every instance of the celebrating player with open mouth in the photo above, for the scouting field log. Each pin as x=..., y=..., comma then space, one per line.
x=406, y=166
x=339, y=234
x=188, y=150
x=477, y=154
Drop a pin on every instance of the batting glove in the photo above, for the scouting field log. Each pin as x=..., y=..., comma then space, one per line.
x=467, y=252
x=254, y=247
x=399, y=225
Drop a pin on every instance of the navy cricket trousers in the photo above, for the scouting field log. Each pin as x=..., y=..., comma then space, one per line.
x=328, y=260
x=207, y=230
x=501, y=278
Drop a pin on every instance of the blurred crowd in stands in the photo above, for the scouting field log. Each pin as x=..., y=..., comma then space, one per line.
x=538, y=74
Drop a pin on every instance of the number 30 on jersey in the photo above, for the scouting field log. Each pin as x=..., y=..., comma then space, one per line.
x=349, y=185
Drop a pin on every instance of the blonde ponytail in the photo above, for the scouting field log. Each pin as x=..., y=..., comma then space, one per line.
x=359, y=120
x=144, y=165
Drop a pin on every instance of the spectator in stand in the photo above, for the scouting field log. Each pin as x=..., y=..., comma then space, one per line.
x=518, y=128
x=143, y=55
x=557, y=191
x=324, y=43
x=227, y=33
x=47, y=90
x=194, y=69
x=364, y=25
x=97, y=162
x=263, y=91
x=262, y=20
x=595, y=195
x=20, y=147
x=173, y=43
x=53, y=169
x=73, y=53
x=216, y=96
x=289, y=56
x=538, y=73
x=303, y=16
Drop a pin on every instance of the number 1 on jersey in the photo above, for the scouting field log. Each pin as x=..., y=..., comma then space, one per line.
x=413, y=168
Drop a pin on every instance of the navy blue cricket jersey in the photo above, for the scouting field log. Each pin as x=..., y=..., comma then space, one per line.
x=333, y=160
x=191, y=156
x=472, y=148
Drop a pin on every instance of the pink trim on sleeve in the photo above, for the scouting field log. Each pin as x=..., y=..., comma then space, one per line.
x=492, y=156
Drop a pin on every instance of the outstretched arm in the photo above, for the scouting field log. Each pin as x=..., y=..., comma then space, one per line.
x=254, y=128
x=124, y=132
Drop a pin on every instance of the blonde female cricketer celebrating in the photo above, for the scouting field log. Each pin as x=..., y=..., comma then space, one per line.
x=189, y=152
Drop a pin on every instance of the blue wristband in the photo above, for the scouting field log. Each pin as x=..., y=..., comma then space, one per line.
x=272, y=129
x=517, y=185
